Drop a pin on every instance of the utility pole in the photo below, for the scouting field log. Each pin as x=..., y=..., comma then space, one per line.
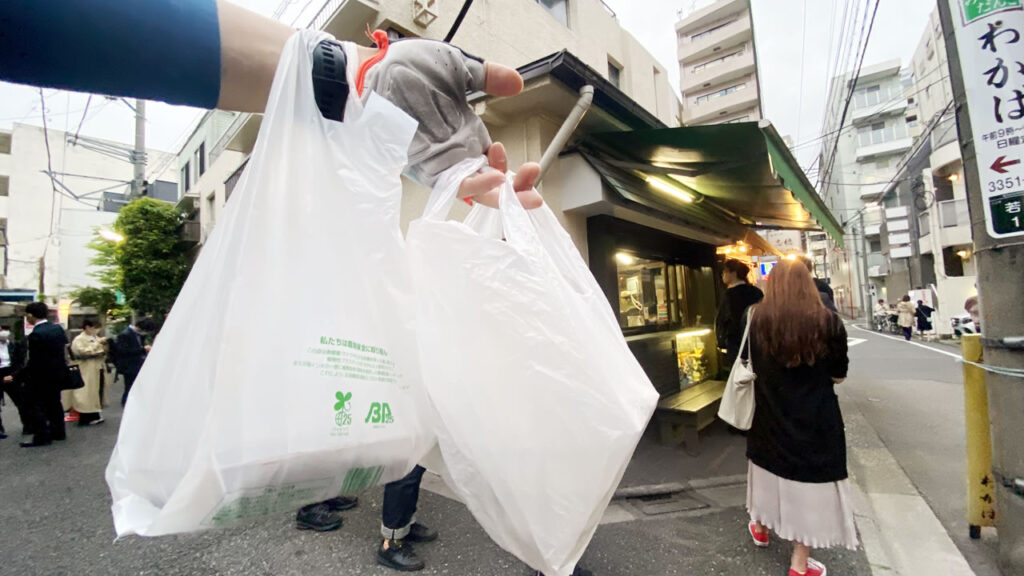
x=975, y=34
x=865, y=286
x=138, y=155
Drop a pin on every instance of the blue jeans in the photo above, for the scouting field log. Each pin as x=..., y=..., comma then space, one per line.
x=399, y=509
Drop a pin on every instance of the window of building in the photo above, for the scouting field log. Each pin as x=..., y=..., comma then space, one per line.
x=5, y=182
x=881, y=132
x=558, y=8
x=910, y=100
x=697, y=37
x=882, y=164
x=614, y=74
x=743, y=118
x=5, y=142
x=201, y=159
x=185, y=180
x=720, y=93
x=912, y=121
x=717, y=61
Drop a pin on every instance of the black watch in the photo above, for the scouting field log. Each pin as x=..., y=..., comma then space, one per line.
x=330, y=83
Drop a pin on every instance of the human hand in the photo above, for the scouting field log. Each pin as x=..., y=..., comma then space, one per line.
x=483, y=187
x=8, y=379
x=147, y=347
x=430, y=81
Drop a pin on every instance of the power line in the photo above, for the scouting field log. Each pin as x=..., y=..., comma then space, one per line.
x=82, y=121
x=803, y=53
x=49, y=166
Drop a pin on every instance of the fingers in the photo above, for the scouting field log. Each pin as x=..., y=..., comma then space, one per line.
x=480, y=184
x=527, y=176
x=497, y=158
x=502, y=80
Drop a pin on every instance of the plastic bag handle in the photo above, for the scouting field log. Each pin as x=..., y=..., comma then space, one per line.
x=519, y=228
x=442, y=197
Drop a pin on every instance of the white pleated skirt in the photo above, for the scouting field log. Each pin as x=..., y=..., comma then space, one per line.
x=815, y=515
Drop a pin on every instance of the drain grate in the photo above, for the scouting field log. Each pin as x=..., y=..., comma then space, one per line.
x=658, y=504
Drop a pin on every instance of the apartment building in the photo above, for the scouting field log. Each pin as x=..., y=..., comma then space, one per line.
x=718, y=65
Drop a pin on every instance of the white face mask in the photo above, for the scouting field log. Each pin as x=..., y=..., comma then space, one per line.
x=5, y=334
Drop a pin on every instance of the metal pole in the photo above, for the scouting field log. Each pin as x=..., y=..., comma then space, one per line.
x=981, y=506
x=568, y=127
x=865, y=287
x=1000, y=277
x=139, y=154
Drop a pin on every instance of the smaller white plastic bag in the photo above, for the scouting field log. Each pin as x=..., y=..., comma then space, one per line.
x=539, y=401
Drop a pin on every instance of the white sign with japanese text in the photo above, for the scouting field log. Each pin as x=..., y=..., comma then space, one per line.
x=990, y=40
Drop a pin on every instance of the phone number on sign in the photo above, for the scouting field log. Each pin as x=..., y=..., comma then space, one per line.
x=1011, y=183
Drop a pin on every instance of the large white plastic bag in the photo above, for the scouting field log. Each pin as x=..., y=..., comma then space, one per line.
x=540, y=402
x=227, y=420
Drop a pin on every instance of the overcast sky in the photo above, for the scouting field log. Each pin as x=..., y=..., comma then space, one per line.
x=785, y=38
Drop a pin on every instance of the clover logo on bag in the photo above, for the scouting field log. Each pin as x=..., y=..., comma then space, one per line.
x=342, y=409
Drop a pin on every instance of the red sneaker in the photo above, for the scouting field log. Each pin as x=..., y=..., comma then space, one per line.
x=71, y=416
x=814, y=568
x=760, y=538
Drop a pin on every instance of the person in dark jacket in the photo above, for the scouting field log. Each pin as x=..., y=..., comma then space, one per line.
x=12, y=360
x=739, y=295
x=797, y=477
x=828, y=297
x=924, y=316
x=131, y=351
x=45, y=375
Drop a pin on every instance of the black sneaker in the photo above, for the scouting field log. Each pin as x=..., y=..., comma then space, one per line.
x=317, y=517
x=341, y=503
x=399, y=556
x=420, y=533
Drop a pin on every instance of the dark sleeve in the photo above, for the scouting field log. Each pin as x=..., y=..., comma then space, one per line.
x=166, y=50
x=722, y=321
x=838, y=356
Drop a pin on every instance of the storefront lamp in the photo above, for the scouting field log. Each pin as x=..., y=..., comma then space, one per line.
x=954, y=177
x=743, y=249
x=669, y=189
x=963, y=254
x=692, y=333
x=624, y=259
x=791, y=257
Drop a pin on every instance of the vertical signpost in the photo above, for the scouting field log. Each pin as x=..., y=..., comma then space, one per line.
x=985, y=43
x=991, y=46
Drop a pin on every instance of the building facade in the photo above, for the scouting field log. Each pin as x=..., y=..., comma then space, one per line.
x=718, y=65
x=861, y=154
x=47, y=222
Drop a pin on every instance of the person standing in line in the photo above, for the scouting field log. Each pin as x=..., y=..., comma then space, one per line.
x=797, y=480
x=12, y=359
x=908, y=315
x=924, y=317
x=824, y=290
x=131, y=353
x=739, y=295
x=45, y=375
x=89, y=352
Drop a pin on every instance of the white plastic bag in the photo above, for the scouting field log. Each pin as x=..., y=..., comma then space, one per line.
x=540, y=402
x=287, y=371
x=738, y=402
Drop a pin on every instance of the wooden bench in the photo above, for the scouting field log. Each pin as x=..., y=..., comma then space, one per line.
x=683, y=415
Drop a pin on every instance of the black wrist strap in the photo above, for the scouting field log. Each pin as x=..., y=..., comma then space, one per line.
x=330, y=83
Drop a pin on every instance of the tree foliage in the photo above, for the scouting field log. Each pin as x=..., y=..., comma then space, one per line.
x=104, y=300
x=149, y=266
x=152, y=262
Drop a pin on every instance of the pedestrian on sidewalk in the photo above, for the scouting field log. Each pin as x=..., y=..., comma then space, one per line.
x=12, y=360
x=923, y=312
x=824, y=290
x=739, y=295
x=46, y=374
x=131, y=351
x=399, y=526
x=908, y=315
x=797, y=481
x=89, y=351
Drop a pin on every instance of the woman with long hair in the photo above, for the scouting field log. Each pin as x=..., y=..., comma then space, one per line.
x=908, y=314
x=797, y=482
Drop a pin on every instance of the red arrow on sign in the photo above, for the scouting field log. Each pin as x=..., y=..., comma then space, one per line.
x=1001, y=164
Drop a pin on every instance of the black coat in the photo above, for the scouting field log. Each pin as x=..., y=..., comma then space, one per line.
x=828, y=298
x=16, y=351
x=130, y=352
x=798, y=431
x=47, y=360
x=730, y=321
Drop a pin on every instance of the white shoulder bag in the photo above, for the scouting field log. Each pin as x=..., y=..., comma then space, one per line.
x=737, y=407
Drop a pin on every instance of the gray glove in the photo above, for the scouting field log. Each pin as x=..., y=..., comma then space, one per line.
x=430, y=80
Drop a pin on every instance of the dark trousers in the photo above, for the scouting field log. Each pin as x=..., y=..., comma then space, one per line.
x=14, y=392
x=47, y=412
x=908, y=332
x=129, y=379
x=400, y=499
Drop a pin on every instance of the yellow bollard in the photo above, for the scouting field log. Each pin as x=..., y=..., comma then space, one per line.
x=981, y=502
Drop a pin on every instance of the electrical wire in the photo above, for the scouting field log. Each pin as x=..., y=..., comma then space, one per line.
x=82, y=121
x=49, y=167
x=458, y=20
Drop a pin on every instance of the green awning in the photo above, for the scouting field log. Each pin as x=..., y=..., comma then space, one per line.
x=726, y=176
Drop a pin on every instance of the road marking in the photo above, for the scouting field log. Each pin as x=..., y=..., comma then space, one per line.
x=905, y=341
x=851, y=342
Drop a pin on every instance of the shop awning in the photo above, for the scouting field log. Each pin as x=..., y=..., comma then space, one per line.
x=723, y=176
